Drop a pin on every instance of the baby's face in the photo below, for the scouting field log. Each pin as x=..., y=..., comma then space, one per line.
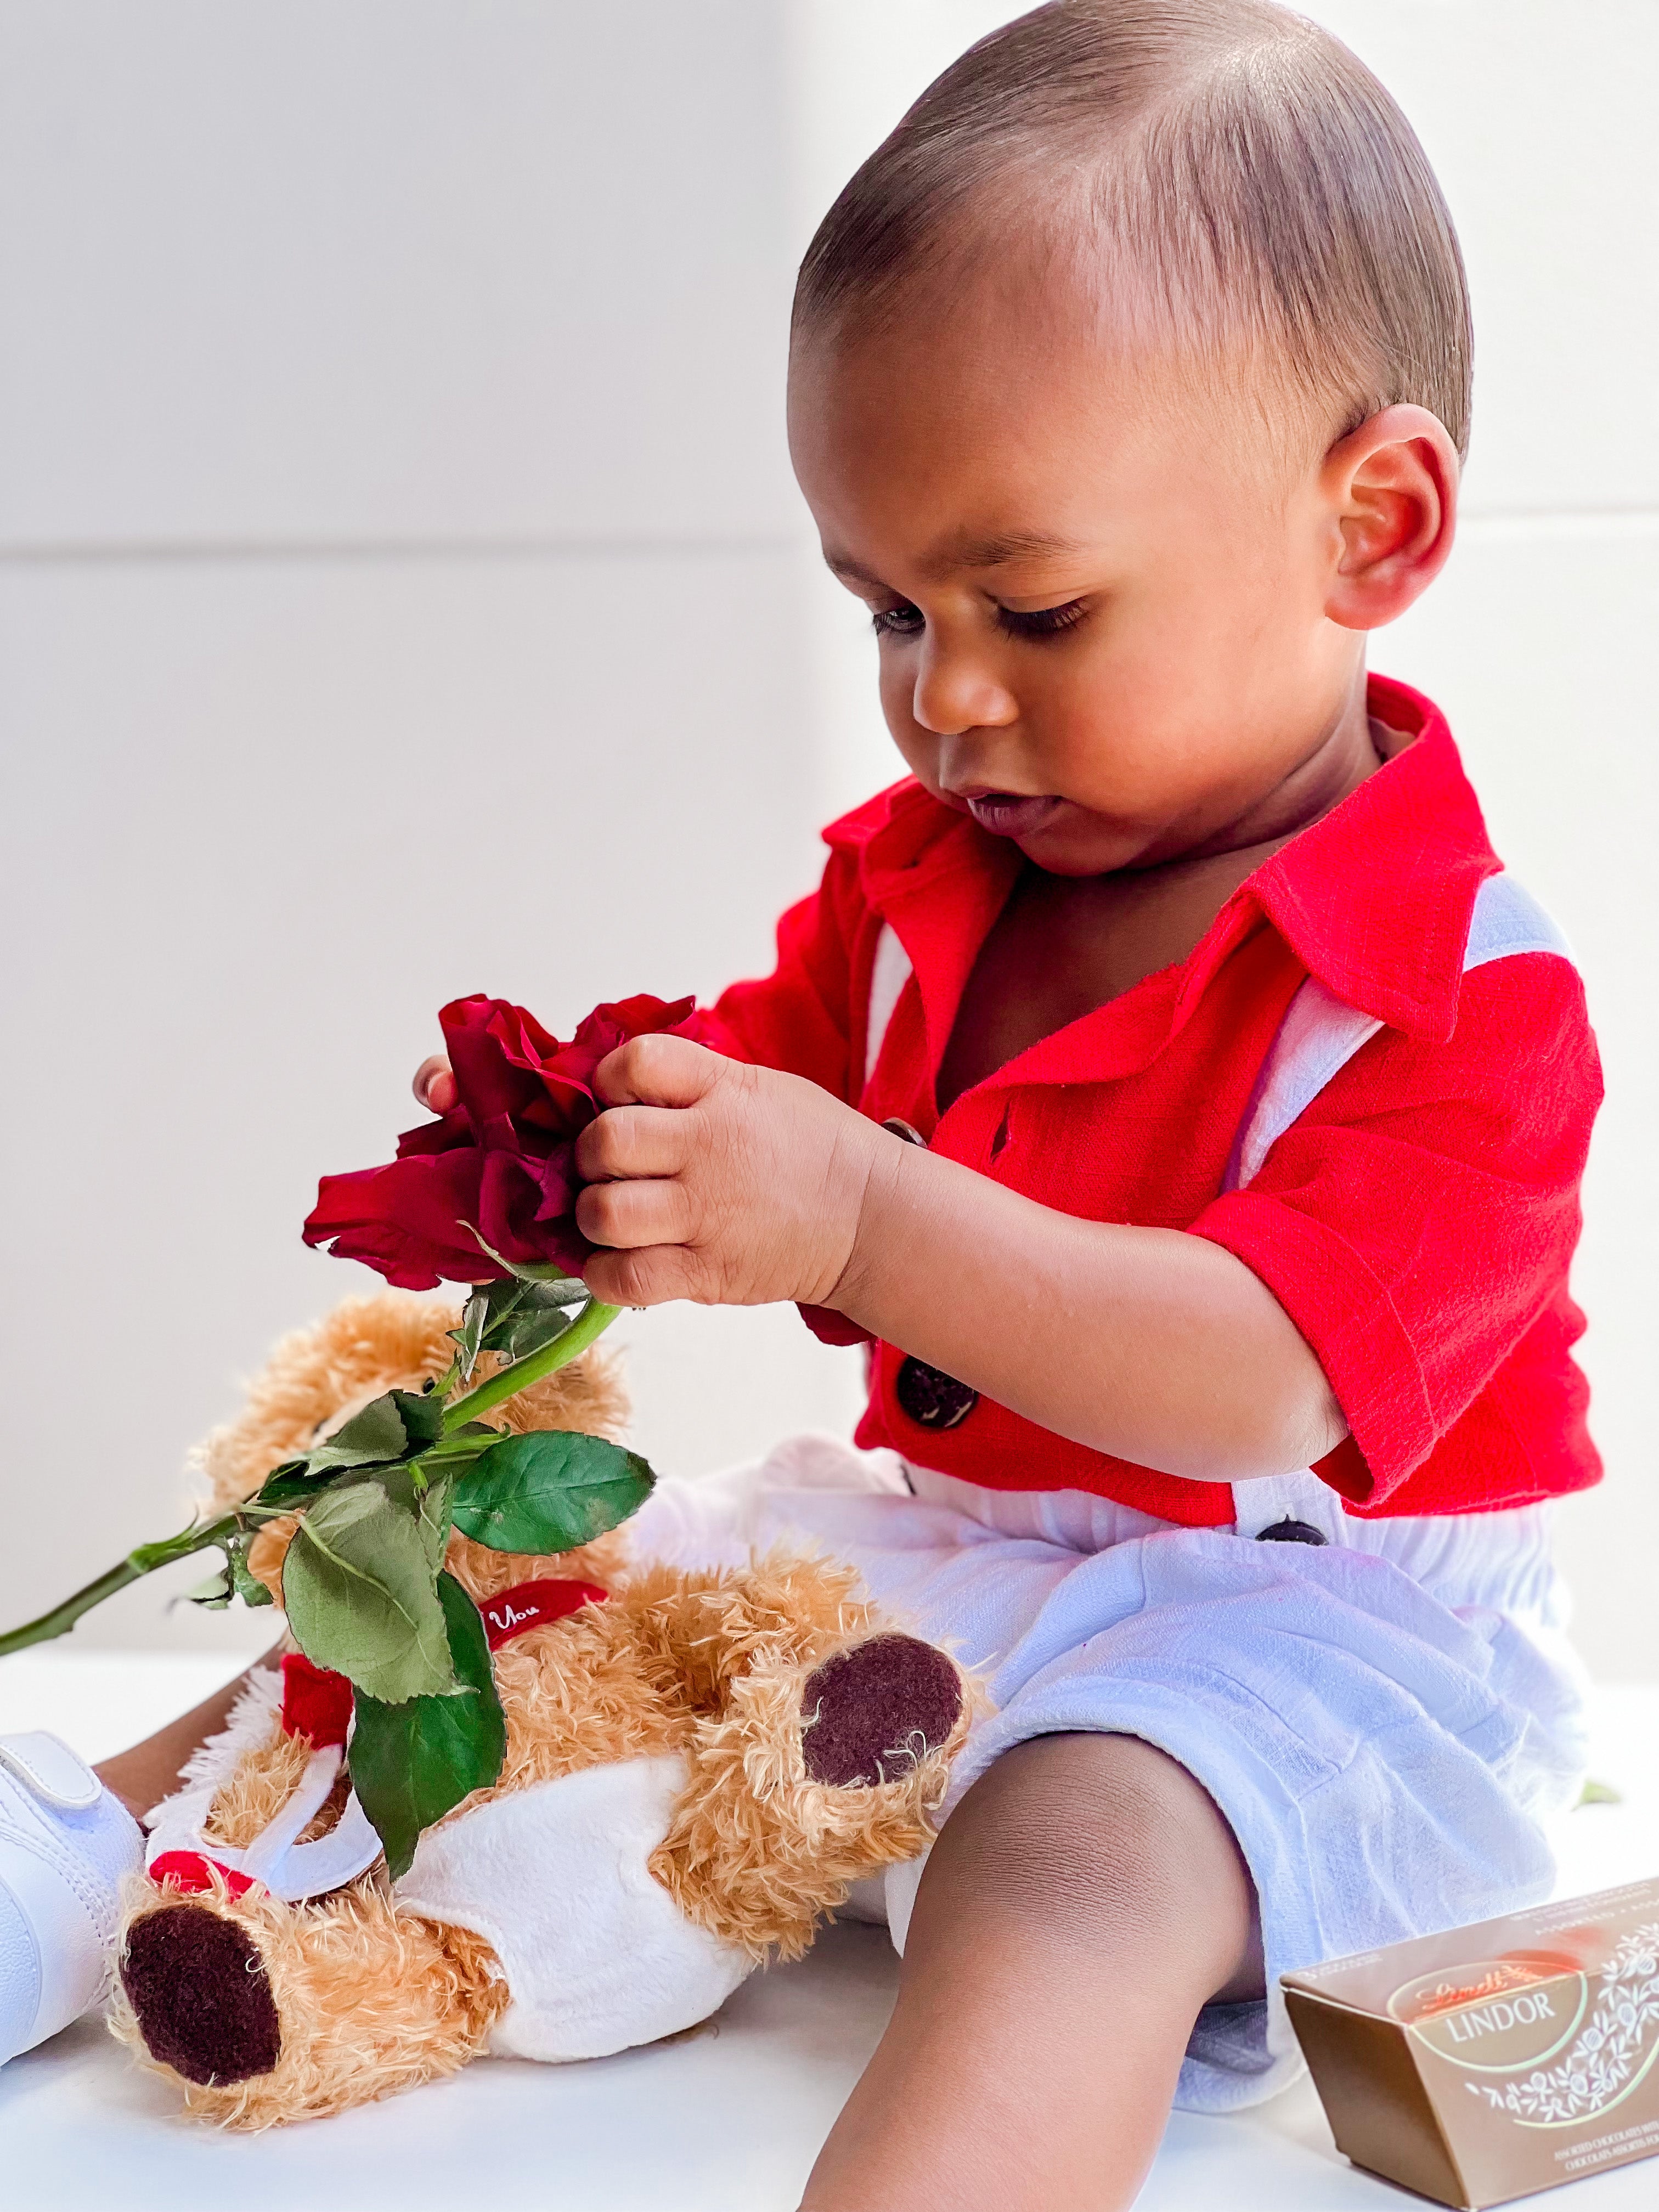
x=1102, y=624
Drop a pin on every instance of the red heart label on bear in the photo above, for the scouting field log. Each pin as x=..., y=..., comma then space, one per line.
x=515, y=1612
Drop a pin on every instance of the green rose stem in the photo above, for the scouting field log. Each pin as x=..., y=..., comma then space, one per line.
x=136, y=1565
x=593, y=1319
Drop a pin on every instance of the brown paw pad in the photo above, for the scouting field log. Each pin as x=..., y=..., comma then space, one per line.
x=869, y=1714
x=199, y=1987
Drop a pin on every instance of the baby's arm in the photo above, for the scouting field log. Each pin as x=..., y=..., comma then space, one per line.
x=729, y=1184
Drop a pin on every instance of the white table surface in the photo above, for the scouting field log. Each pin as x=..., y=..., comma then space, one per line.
x=726, y=2120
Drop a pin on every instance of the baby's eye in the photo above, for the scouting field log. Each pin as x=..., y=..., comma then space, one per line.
x=1041, y=621
x=901, y=620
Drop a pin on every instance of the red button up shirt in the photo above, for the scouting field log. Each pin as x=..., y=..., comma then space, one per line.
x=1416, y=1222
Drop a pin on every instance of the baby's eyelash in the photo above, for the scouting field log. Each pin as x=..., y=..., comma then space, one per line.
x=901, y=620
x=1041, y=621
x=907, y=621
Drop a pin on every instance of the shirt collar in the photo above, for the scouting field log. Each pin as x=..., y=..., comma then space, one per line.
x=1374, y=900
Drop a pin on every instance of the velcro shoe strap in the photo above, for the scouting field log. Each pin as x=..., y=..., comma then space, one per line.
x=50, y=1770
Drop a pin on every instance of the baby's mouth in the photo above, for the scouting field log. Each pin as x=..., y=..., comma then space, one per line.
x=1007, y=814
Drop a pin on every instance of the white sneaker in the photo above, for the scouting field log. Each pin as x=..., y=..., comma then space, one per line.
x=65, y=1844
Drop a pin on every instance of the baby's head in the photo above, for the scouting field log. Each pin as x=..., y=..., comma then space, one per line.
x=1128, y=386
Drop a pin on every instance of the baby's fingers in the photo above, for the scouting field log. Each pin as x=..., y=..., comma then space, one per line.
x=628, y=1216
x=649, y=1278
x=633, y=1140
x=434, y=1085
x=659, y=1070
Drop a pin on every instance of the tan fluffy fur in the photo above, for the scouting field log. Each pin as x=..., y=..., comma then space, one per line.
x=318, y=1378
x=264, y=1781
x=710, y=1666
x=757, y=1852
x=371, y=2001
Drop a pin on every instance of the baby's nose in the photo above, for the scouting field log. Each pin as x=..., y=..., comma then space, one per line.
x=956, y=692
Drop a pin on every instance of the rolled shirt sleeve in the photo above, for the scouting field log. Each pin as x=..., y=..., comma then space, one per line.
x=1417, y=1221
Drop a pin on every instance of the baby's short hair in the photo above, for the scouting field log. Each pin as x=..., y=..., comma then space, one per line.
x=1250, y=178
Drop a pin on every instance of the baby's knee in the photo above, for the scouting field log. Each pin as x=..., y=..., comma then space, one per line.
x=1095, y=1838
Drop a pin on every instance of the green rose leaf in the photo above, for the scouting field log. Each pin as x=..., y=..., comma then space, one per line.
x=249, y=1588
x=388, y=1428
x=146, y=1557
x=359, y=1585
x=548, y=1491
x=515, y=1318
x=428, y=1497
x=216, y=1593
x=475, y=1319
x=525, y=1270
x=412, y=1763
x=457, y=1449
x=542, y=1314
x=285, y=1487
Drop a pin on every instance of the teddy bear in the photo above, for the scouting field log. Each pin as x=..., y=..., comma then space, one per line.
x=698, y=1767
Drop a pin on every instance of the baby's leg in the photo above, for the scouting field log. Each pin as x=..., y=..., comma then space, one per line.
x=1081, y=1904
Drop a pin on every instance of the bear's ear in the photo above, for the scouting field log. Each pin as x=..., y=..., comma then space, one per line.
x=316, y=1377
x=588, y=1395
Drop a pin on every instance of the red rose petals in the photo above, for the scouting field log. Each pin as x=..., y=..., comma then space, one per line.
x=501, y=1160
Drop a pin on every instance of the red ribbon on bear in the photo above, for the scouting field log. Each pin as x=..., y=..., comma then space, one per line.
x=515, y=1612
x=315, y=1703
x=191, y=1873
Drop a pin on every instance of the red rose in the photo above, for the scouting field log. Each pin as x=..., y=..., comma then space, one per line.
x=502, y=1159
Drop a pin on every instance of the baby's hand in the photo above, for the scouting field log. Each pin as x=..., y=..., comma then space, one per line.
x=711, y=1180
x=435, y=1084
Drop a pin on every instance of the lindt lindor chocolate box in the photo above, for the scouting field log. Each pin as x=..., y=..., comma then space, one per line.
x=1486, y=2063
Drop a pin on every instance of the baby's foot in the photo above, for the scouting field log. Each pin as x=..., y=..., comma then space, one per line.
x=66, y=1843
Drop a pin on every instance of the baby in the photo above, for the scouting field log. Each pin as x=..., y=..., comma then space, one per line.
x=1165, y=1082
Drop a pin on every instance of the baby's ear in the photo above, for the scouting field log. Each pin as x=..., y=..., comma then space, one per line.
x=1391, y=488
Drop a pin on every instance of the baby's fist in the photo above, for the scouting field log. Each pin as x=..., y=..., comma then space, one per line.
x=711, y=1180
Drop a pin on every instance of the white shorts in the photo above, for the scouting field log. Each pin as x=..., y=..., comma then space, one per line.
x=1386, y=1720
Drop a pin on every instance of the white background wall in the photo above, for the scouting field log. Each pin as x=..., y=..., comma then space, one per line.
x=402, y=592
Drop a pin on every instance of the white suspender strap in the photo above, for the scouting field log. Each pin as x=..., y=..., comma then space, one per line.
x=889, y=972
x=1320, y=1035
x=1318, y=1038
x=1508, y=919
